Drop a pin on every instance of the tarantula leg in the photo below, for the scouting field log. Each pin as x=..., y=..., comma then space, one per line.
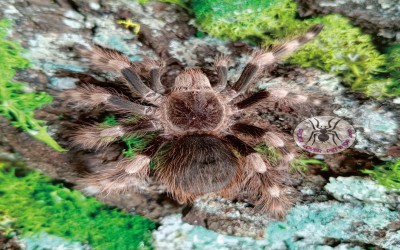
x=221, y=65
x=109, y=59
x=277, y=98
x=153, y=147
x=95, y=137
x=273, y=139
x=145, y=92
x=242, y=147
x=264, y=58
x=89, y=137
x=256, y=162
x=92, y=97
x=248, y=75
x=155, y=70
x=253, y=99
x=268, y=193
x=289, y=47
x=125, y=175
x=248, y=129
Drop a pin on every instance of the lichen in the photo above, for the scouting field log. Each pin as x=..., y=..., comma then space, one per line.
x=306, y=226
x=17, y=102
x=38, y=241
x=39, y=204
x=356, y=189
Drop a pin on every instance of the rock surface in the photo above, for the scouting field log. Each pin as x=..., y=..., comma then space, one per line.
x=364, y=219
x=380, y=18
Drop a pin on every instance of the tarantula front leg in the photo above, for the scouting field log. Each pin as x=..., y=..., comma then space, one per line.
x=221, y=65
x=109, y=59
x=92, y=97
x=264, y=58
x=155, y=70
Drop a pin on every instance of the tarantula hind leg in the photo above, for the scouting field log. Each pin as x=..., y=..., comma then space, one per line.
x=154, y=69
x=268, y=194
x=126, y=175
x=221, y=65
x=262, y=183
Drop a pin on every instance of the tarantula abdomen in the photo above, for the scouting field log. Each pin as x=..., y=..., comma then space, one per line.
x=197, y=164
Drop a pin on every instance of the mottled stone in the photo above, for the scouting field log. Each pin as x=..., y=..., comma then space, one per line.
x=306, y=227
x=380, y=18
x=361, y=190
x=47, y=241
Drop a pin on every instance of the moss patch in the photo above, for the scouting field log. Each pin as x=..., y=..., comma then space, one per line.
x=387, y=175
x=16, y=102
x=38, y=205
x=393, y=69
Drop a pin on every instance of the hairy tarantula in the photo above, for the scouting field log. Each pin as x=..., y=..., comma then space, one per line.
x=204, y=139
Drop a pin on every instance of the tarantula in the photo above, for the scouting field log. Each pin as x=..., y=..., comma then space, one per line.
x=205, y=140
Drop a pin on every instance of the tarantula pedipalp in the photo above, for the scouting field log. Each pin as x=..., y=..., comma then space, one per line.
x=207, y=143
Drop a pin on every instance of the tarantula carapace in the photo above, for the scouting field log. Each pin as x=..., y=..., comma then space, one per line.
x=204, y=139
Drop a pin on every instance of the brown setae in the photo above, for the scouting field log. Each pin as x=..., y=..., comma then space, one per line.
x=204, y=139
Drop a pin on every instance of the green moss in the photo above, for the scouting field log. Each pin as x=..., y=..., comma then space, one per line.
x=40, y=206
x=393, y=69
x=16, y=102
x=340, y=48
x=343, y=50
x=301, y=164
x=235, y=19
x=270, y=153
x=134, y=142
x=387, y=175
